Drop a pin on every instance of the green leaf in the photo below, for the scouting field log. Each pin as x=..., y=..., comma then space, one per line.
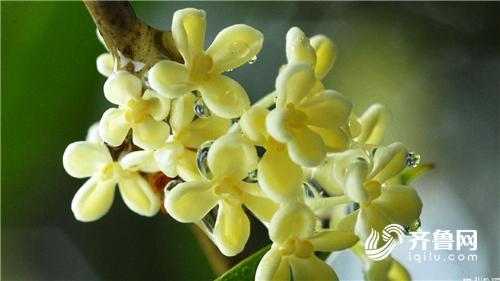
x=410, y=175
x=245, y=270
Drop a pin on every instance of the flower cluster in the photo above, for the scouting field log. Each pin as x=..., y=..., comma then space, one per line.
x=185, y=136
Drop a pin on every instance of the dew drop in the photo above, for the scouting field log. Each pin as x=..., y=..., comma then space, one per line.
x=252, y=60
x=201, y=159
x=200, y=108
x=239, y=48
x=352, y=207
x=412, y=159
x=252, y=177
x=413, y=227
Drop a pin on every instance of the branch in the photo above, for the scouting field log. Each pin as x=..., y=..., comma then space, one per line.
x=133, y=43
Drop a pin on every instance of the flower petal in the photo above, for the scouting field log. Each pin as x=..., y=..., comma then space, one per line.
x=400, y=204
x=325, y=177
x=186, y=166
x=150, y=134
x=158, y=106
x=170, y=79
x=93, y=134
x=231, y=230
x=273, y=267
x=379, y=270
x=328, y=241
x=276, y=125
x=93, y=200
x=307, y=148
x=234, y=46
x=294, y=83
x=328, y=109
x=253, y=124
x=369, y=217
x=188, y=31
x=298, y=47
x=105, y=64
x=122, y=86
x=142, y=160
x=190, y=201
x=203, y=129
x=138, y=194
x=113, y=127
x=292, y=220
x=83, y=159
x=373, y=123
x=279, y=177
x=232, y=155
x=388, y=161
x=335, y=139
x=182, y=113
x=325, y=55
x=354, y=180
x=311, y=269
x=224, y=97
x=263, y=207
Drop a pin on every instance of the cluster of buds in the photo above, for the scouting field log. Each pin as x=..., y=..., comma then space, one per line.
x=185, y=138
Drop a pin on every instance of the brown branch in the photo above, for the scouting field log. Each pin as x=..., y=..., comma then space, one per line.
x=132, y=42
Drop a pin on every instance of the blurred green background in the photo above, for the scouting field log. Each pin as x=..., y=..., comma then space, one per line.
x=435, y=65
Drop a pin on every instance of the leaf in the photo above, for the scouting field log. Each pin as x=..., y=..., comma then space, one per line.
x=410, y=175
x=245, y=270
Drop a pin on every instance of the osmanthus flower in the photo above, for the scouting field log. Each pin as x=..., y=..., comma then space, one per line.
x=319, y=52
x=105, y=62
x=94, y=199
x=370, y=127
x=201, y=70
x=294, y=243
x=363, y=177
x=177, y=156
x=230, y=159
x=143, y=113
x=387, y=269
x=308, y=121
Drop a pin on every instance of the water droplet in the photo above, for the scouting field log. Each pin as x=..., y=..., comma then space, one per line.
x=239, y=48
x=252, y=177
x=200, y=109
x=413, y=227
x=412, y=159
x=352, y=207
x=209, y=220
x=252, y=60
x=201, y=159
x=171, y=184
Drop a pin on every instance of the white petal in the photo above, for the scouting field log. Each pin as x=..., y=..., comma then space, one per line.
x=279, y=177
x=263, y=207
x=122, y=86
x=373, y=123
x=325, y=55
x=231, y=155
x=142, y=160
x=167, y=157
x=335, y=139
x=234, y=46
x=105, y=64
x=354, y=180
x=307, y=148
x=93, y=134
x=231, y=230
x=158, y=106
x=93, y=200
x=138, y=195
x=311, y=269
x=294, y=83
x=273, y=267
x=328, y=241
x=253, y=124
x=277, y=125
x=170, y=79
x=224, y=97
x=379, y=270
x=203, y=129
x=328, y=109
x=298, y=47
x=186, y=166
x=369, y=217
x=190, y=201
x=389, y=161
x=113, y=127
x=83, y=159
x=150, y=134
x=182, y=113
x=188, y=31
x=400, y=204
x=292, y=220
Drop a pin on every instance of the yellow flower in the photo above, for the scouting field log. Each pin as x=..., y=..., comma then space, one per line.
x=143, y=114
x=307, y=119
x=294, y=243
x=93, y=200
x=370, y=127
x=230, y=160
x=202, y=70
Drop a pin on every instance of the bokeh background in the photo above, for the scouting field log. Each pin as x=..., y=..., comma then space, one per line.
x=435, y=65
